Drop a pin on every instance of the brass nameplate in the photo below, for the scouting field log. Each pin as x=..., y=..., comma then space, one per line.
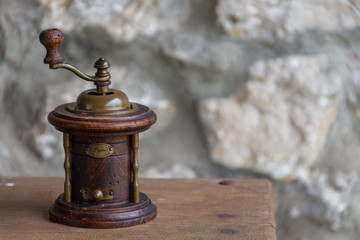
x=99, y=150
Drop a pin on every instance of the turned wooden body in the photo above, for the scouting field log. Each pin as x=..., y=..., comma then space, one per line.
x=110, y=172
x=89, y=173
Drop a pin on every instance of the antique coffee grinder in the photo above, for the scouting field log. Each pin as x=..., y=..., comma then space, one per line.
x=101, y=141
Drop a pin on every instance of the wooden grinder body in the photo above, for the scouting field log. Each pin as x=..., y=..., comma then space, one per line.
x=111, y=172
x=101, y=152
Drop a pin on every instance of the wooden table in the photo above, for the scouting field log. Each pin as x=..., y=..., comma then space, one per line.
x=187, y=209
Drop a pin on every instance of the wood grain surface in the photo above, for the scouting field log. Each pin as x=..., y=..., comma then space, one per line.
x=187, y=209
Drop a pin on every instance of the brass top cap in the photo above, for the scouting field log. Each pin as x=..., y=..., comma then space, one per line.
x=95, y=101
x=92, y=102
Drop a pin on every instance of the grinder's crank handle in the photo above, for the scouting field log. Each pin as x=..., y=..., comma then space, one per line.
x=51, y=39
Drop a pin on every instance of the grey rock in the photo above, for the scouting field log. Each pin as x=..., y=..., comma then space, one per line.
x=279, y=124
x=331, y=196
x=282, y=19
x=121, y=19
x=195, y=50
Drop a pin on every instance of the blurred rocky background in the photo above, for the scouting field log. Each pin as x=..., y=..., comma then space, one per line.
x=242, y=88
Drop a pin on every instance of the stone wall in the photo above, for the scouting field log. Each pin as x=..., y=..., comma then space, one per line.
x=242, y=88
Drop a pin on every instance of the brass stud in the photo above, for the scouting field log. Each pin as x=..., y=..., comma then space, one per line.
x=98, y=194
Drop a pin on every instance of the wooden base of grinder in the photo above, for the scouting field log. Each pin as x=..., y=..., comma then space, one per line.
x=103, y=215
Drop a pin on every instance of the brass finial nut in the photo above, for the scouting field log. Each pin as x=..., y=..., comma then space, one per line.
x=101, y=63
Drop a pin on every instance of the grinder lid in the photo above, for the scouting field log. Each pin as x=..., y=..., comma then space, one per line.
x=113, y=102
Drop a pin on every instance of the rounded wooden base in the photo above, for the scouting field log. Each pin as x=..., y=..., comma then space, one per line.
x=102, y=214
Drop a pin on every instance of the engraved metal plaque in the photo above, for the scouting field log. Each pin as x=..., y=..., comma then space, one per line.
x=99, y=150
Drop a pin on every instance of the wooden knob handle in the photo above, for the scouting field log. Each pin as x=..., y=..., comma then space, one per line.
x=51, y=39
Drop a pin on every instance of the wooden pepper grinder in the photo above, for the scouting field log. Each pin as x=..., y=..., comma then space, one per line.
x=101, y=140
